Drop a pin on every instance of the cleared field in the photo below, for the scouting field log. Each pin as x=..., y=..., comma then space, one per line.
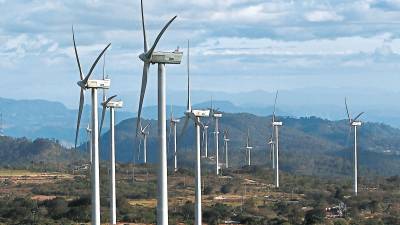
x=17, y=173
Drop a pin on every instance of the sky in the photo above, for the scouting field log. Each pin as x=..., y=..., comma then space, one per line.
x=236, y=45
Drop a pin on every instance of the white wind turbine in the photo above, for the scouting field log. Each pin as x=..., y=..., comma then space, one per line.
x=144, y=132
x=89, y=140
x=275, y=127
x=226, y=140
x=93, y=85
x=112, y=105
x=248, y=148
x=195, y=115
x=216, y=115
x=149, y=56
x=172, y=128
x=354, y=123
x=205, y=140
x=271, y=140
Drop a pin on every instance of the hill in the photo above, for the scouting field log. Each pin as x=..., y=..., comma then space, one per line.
x=22, y=152
x=310, y=146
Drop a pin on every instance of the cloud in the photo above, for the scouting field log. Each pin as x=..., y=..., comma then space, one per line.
x=318, y=47
x=241, y=38
x=323, y=16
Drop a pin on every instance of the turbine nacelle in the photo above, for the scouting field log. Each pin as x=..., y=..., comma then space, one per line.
x=100, y=84
x=175, y=120
x=115, y=104
x=166, y=57
x=356, y=123
x=200, y=113
x=217, y=115
x=275, y=123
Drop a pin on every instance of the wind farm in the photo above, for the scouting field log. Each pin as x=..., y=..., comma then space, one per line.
x=274, y=145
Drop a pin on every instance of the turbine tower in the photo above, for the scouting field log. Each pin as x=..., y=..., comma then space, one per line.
x=205, y=140
x=226, y=140
x=149, y=56
x=144, y=132
x=112, y=105
x=271, y=143
x=248, y=148
x=89, y=135
x=354, y=123
x=1, y=125
x=93, y=85
x=216, y=115
x=172, y=128
x=275, y=127
x=195, y=115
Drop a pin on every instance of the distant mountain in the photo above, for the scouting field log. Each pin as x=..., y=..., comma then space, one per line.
x=309, y=145
x=40, y=118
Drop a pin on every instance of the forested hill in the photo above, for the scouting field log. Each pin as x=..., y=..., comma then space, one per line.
x=309, y=145
x=22, y=152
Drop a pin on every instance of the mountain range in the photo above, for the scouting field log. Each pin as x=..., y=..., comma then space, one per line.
x=49, y=119
x=308, y=145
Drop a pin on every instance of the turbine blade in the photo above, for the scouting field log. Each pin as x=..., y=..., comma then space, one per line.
x=81, y=102
x=103, y=113
x=76, y=54
x=143, y=28
x=104, y=65
x=144, y=129
x=203, y=139
x=169, y=135
x=95, y=63
x=348, y=136
x=273, y=114
x=248, y=138
x=150, y=52
x=188, y=104
x=142, y=92
x=212, y=106
x=109, y=99
x=347, y=110
x=358, y=116
x=185, y=125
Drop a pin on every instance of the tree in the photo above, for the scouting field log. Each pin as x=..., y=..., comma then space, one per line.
x=314, y=216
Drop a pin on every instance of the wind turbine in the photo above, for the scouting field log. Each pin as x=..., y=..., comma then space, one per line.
x=275, y=127
x=205, y=140
x=144, y=132
x=172, y=127
x=161, y=58
x=248, y=148
x=89, y=134
x=354, y=123
x=112, y=105
x=216, y=115
x=226, y=140
x=93, y=85
x=271, y=140
x=1, y=125
x=195, y=115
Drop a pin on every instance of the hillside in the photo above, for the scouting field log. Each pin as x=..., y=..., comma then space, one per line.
x=309, y=146
x=22, y=152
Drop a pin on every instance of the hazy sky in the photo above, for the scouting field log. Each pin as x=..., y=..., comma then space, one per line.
x=237, y=45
